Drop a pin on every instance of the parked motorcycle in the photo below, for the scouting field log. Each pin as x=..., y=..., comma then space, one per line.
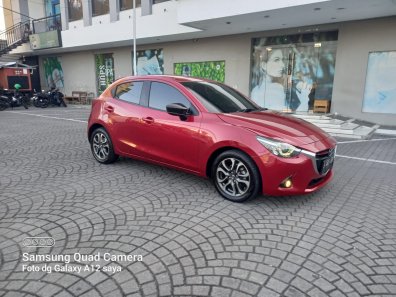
x=13, y=99
x=45, y=98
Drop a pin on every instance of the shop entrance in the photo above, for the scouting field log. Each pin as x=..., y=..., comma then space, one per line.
x=290, y=77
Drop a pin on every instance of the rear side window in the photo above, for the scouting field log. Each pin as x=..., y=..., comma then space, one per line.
x=129, y=91
x=162, y=94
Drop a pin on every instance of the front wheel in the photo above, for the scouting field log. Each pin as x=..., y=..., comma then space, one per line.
x=236, y=176
x=102, y=147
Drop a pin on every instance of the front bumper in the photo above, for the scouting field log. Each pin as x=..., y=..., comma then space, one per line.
x=308, y=172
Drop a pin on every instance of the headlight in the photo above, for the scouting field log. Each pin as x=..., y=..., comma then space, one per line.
x=280, y=149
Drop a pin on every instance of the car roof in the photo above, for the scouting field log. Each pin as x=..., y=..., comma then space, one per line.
x=169, y=78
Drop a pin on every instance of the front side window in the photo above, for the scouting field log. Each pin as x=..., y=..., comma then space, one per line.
x=100, y=7
x=162, y=94
x=159, y=1
x=128, y=4
x=219, y=98
x=129, y=91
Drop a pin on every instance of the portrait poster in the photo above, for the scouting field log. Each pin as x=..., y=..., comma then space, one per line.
x=53, y=72
x=104, y=64
x=289, y=72
x=380, y=89
x=149, y=61
x=213, y=70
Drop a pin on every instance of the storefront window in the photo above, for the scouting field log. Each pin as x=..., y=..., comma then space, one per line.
x=290, y=72
x=100, y=7
x=75, y=10
x=128, y=4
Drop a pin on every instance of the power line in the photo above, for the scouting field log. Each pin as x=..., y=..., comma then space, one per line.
x=16, y=12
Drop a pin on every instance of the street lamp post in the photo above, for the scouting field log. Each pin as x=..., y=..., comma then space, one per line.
x=134, y=38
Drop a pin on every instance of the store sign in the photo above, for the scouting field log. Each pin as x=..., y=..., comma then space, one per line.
x=104, y=64
x=44, y=40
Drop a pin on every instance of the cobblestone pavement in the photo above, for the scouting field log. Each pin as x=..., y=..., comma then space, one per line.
x=340, y=241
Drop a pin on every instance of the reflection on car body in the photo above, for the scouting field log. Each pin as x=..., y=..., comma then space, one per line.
x=210, y=129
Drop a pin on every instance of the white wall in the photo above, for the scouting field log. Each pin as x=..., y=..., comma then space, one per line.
x=193, y=10
x=162, y=22
x=355, y=41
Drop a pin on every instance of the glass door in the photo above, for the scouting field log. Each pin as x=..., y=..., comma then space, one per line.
x=297, y=74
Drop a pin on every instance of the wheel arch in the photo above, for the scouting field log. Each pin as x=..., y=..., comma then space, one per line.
x=93, y=128
x=218, y=151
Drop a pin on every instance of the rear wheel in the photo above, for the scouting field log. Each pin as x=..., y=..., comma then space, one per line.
x=236, y=176
x=3, y=105
x=102, y=147
x=43, y=102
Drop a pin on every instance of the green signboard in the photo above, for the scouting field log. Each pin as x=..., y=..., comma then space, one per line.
x=214, y=70
x=45, y=40
x=104, y=64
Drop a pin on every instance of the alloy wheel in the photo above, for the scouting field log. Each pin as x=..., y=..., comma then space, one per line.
x=233, y=177
x=101, y=146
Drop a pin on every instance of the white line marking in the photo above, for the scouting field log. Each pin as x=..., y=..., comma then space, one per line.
x=366, y=160
x=44, y=116
x=369, y=140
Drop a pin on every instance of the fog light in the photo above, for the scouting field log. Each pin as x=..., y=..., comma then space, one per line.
x=287, y=183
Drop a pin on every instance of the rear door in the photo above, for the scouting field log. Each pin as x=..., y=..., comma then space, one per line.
x=125, y=113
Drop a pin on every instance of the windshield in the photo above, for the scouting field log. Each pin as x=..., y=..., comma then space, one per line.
x=219, y=98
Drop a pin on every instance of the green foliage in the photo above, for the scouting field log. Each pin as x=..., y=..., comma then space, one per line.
x=214, y=70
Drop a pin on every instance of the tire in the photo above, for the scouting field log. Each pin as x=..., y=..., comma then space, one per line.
x=36, y=102
x=236, y=176
x=63, y=103
x=25, y=102
x=44, y=102
x=102, y=147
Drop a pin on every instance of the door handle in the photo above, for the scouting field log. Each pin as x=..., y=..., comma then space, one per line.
x=148, y=120
x=109, y=108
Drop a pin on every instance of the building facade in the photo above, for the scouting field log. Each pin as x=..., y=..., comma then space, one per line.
x=283, y=54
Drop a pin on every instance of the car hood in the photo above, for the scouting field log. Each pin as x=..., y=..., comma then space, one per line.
x=278, y=126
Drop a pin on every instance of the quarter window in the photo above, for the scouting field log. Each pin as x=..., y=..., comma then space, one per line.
x=162, y=94
x=129, y=91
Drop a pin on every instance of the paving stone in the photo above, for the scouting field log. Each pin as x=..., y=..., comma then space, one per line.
x=336, y=242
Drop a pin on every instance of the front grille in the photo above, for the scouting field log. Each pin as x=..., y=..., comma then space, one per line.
x=325, y=160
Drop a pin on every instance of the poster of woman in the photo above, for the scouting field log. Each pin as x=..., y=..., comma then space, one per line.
x=380, y=91
x=268, y=78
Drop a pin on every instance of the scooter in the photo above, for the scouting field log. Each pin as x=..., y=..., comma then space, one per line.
x=45, y=98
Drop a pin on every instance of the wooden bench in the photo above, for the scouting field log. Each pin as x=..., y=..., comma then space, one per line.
x=78, y=97
x=321, y=105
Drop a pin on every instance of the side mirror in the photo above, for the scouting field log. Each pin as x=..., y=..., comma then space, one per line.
x=178, y=109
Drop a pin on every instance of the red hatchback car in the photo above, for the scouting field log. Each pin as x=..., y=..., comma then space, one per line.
x=210, y=129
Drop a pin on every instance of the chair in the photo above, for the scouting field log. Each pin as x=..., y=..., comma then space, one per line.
x=321, y=105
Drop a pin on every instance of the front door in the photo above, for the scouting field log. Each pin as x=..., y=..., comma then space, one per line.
x=167, y=138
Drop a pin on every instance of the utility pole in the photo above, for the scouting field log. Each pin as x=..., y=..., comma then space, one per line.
x=134, y=39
